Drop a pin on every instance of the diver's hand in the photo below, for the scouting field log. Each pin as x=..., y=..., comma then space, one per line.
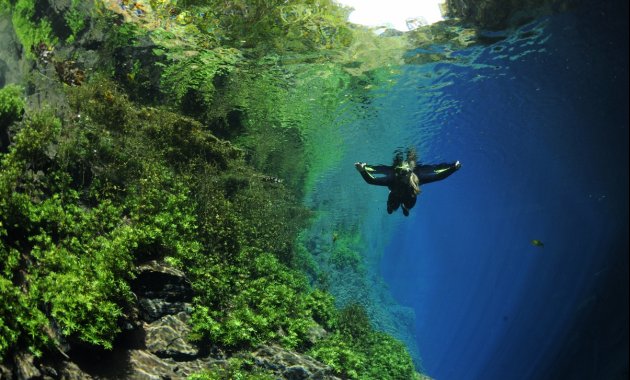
x=360, y=166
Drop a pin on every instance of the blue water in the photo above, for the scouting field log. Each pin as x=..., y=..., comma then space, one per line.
x=544, y=144
x=540, y=124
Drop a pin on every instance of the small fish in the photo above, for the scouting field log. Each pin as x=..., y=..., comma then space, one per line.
x=335, y=236
x=537, y=243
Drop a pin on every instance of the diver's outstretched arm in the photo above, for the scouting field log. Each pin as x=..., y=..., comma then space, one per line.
x=432, y=173
x=380, y=169
x=367, y=172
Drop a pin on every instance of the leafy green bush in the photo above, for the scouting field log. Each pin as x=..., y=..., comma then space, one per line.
x=301, y=25
x=11, y=105
x=255, y=299
x=344, y=257
x=236, y=369
x=189, y=81
x=11, y=109
x=31, y=30
x=21, y=322
x=356, y=351
x=75, y=18
x=33, y=24
x=60, y=259
x=5, y=6
x=127, y=183
x=79, y=202
x=82, y=267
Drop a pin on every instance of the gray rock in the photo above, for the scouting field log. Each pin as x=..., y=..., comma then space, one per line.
x=25, y=367
x=161, y=290
x=159, y=280
x=153, y=309
x=315, y=334
x=5, y=373
x=71, y=371
x=147, y=366
x=167, y=337
x=296, y=373
x=144, y=365
x=48, y=372
x=188, y=368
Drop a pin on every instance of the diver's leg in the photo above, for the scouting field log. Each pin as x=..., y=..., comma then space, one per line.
x=405, y=210
x=393, y=202
x=408, y=204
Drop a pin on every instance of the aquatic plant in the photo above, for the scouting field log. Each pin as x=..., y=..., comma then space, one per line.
x=265, y=26
x=109, y=199
x=75, y=18
x=357, y=351
x=237, y=368
x=12, y=105
x=30, y=30
x=191, y=82
x=33, y=22
x=252, y=299
x=53, y=247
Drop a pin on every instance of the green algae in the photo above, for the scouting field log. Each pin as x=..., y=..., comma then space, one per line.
x=12, y=105
x=29, y=30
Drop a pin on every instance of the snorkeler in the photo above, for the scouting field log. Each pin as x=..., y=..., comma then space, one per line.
x=404, y=178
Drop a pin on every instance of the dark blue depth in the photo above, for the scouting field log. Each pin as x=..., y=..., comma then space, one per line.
x=544, y=147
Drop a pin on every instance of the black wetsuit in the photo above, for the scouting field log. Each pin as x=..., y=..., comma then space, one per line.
x=400, y=192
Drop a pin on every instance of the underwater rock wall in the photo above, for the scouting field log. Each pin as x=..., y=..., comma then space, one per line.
x=501, y=14
x=156, y=344
x=173, y=189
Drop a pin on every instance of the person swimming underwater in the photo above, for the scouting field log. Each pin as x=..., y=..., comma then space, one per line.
x=404, y=178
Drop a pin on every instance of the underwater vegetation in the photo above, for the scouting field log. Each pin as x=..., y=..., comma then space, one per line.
x=177, y=133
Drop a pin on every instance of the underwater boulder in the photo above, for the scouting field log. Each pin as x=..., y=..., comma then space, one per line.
x=166, y=337
x=291, y=365
x=161, y=290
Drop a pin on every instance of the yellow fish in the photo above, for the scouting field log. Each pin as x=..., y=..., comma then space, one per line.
x=537, y=243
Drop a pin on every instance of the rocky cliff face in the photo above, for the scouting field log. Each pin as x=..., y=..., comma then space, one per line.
x=156, y=344
x=501, y=14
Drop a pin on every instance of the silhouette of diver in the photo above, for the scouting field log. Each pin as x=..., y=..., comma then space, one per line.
x=404, y=178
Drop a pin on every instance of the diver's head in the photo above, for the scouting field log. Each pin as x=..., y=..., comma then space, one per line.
x=403, y=169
